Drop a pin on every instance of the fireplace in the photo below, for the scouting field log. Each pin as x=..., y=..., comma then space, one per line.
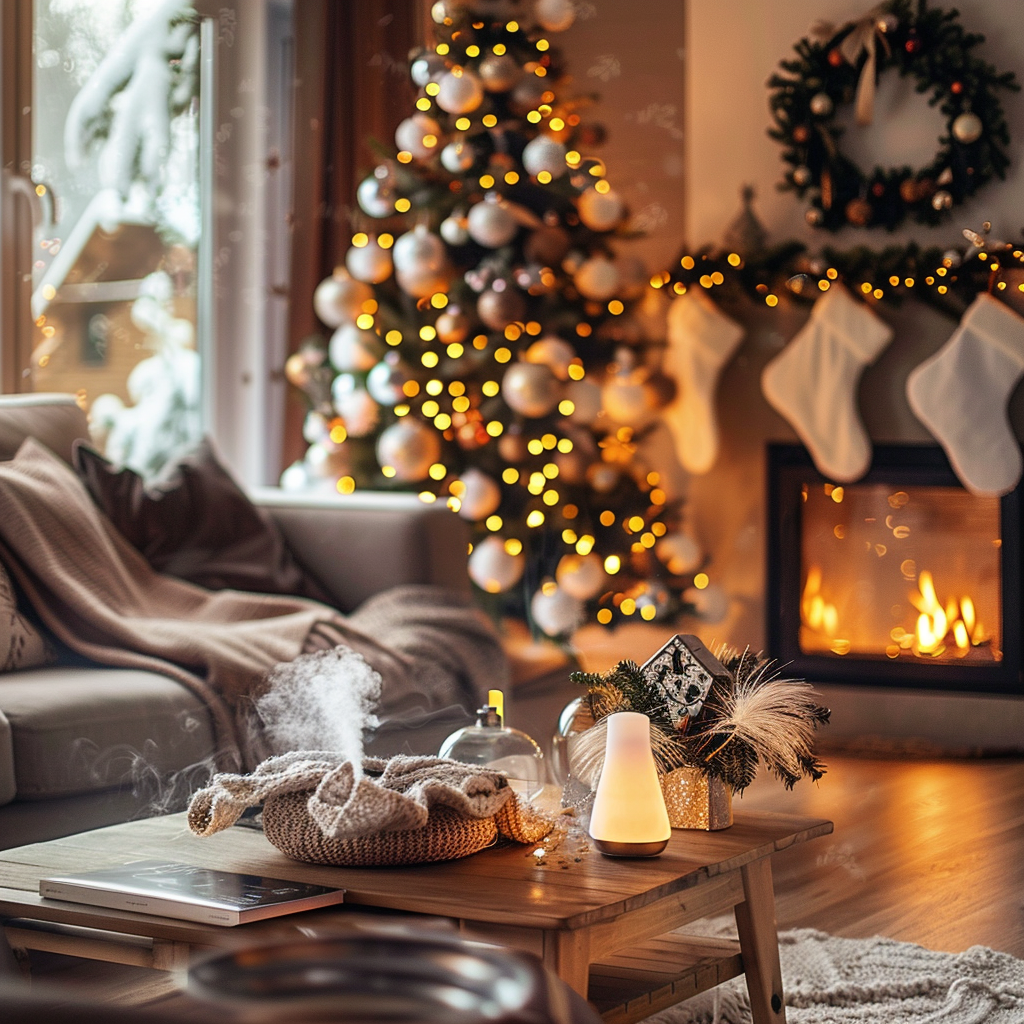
x=903, y=578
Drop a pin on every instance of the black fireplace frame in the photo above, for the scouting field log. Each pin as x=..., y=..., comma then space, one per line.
x=789, y=466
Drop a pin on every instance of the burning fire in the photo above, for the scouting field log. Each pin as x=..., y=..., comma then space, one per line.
x=939, y=626
x=951, y=626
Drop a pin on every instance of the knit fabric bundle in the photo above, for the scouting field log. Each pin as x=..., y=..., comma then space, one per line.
x=399, y=810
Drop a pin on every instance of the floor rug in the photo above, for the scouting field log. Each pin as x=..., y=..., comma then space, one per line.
x=831, y=980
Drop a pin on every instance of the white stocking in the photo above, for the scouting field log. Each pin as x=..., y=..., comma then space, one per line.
x=960, y=395
x=813, y=382
x=701, y=338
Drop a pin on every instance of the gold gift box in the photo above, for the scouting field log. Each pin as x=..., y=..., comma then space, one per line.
x=695, y=800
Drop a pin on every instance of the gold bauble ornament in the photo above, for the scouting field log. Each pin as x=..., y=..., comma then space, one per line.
x=552, y=352
x=340, y=297
x=452, y=326
x=410, y=447
x=354, y=405
x=967, y=128
x=555, y=610
x=597, y=278
x=600, y=211
x=530, y=389
x=858, y=212
x=554, y=15
x=547, y=245
x=581, y=576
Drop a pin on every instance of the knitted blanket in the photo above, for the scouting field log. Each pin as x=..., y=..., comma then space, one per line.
x=100, y=597
x=832, y=980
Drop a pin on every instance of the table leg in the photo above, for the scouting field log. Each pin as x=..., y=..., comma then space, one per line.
x=759, y=944
x=567, y=954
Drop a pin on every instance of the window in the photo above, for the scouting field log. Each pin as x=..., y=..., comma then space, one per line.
x=146, y=153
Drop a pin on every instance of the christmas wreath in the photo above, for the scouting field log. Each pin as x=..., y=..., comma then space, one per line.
x=835, y=67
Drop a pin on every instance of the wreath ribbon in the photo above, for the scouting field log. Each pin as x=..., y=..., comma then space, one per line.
x=862, y=37
x=865, y=35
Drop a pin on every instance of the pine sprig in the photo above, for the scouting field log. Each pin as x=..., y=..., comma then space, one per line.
x=754, y=718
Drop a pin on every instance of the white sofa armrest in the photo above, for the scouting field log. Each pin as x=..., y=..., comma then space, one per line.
x=360, y=544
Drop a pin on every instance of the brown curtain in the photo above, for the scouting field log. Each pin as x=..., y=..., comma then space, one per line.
x=351, y=85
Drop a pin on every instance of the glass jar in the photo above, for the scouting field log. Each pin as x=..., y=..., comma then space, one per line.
x=493, y=745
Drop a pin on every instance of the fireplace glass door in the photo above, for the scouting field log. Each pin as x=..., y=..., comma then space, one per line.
x=901, y=578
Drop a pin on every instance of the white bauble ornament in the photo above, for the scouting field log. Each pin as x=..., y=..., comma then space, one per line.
x=600, y=211
x=457, y=157
x=554, y=15
x=419, y=250
x=481, y=497
x=492, y=568
x=631, y=403
x=384, y=382
x=530, y=389
x=556, y=612
x=491, y=223
x=679, y=553
x=426, y=68
x=454, y=230
x=354, y=405
x=376, y=196
x=324, y=464
x=711, y=604
x=597, y=278
x=339, y=298
x=415, y=133
x=967, y=128
x=294, y=478
x=544, y=154
x=459, y=91
x=499, y=72
x=370, y=263
x=585, y=396
x=581, y=576
x=552, y=352
x=410, y=447
x=315, y=428
x=354, y=349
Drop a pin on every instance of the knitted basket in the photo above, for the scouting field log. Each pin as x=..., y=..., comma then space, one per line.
x=447, y=835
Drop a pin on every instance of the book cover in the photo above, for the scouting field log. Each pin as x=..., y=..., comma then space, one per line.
x=188, y=893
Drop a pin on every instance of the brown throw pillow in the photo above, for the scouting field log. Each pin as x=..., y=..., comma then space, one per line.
x=194, y=522
x=21, y=644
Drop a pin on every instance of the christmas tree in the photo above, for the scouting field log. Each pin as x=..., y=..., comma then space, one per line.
x=489, y=348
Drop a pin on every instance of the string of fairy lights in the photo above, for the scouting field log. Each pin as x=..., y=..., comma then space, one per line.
x=945, y=278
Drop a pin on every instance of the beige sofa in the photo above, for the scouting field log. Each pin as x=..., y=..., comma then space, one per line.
x=83, y=745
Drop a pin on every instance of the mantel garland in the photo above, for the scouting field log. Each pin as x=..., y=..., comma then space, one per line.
x=946, y=279
x=836, y=67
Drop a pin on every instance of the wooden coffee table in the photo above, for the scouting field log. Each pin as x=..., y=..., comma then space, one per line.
x=605, y=926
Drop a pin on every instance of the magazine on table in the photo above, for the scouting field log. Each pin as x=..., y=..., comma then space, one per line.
x=188, y=893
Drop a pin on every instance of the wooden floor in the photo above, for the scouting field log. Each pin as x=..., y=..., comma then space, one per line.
x=930, y=852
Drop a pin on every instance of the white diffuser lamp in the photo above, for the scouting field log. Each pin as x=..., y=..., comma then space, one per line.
x=629, y=817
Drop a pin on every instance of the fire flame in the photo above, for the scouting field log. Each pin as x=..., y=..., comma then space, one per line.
x=939, y=625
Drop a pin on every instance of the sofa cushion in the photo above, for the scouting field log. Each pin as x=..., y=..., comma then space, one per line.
x=21, y=644
x=194, y=522
x=52, y=419
x=80, y=730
